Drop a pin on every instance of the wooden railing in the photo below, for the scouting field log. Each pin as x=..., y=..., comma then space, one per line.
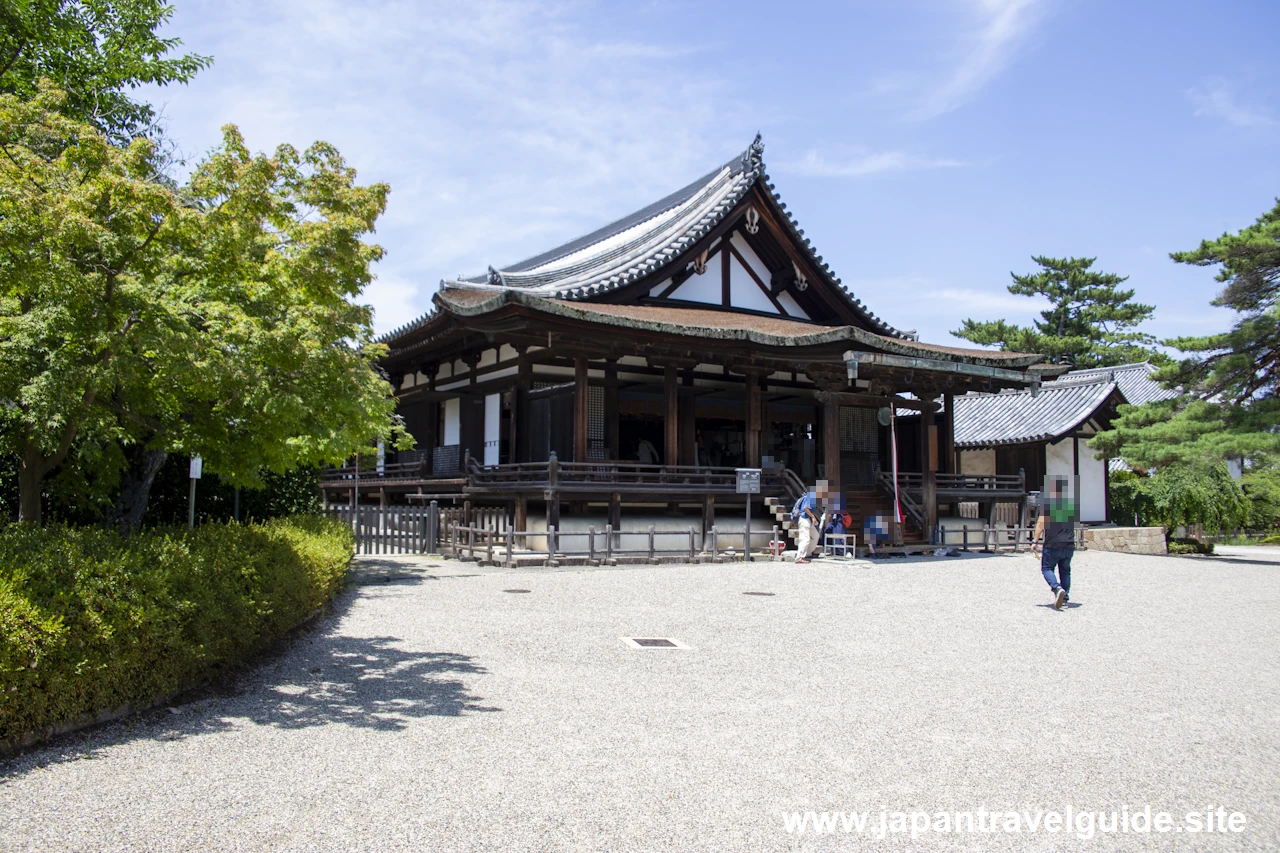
x=630, y=477
x=913, y=482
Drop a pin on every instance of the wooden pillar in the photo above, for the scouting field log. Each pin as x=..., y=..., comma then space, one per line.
x=580, y=399
x=520, y=451
x=688, y=424
x=522, y=513
x=929, y=469
x=1075, y=457
x=831, y=443
x=670, y=416
x=611, y=409
x=753, y=420
x=947, y=437
x=615, y=510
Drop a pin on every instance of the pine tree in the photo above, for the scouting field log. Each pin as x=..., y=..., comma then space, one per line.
x=1091, y=322
x=1232, y=405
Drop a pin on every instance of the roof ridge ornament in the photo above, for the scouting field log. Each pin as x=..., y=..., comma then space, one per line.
x=753, y=157
x=495, y=277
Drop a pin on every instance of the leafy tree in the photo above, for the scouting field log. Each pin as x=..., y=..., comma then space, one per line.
x=95, y=51
x=1261, y=485
x=1090, y=321
x=1181, y=494
x=1232, y=405
x=138, y=319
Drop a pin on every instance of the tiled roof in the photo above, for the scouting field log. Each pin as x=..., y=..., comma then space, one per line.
x=712, y=324
x=1018, y=417
x=1134, y=380
x=647, y=241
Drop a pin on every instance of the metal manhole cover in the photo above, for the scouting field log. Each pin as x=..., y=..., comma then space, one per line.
x=517, y=590
x=759, y=593
x=653, y=643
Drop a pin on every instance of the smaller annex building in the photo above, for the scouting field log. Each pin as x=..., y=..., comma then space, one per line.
x=1047, y=432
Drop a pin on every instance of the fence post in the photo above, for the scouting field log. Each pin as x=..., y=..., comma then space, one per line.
x=691, y=551
x=965, y=530
x=651, y=553
x=433, y=528
x=608, y=544
x=551, y=546
x=715, y=544
x=773, y=545
x=591, y=544
x=511, y=540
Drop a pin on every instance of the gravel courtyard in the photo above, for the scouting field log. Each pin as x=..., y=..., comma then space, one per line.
x=436, y=709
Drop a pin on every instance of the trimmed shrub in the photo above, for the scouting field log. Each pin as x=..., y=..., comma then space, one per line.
x=1190, y=546
x=1269, y=540
x=90, y=620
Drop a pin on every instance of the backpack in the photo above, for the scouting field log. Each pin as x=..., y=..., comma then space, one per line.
x=795, y=510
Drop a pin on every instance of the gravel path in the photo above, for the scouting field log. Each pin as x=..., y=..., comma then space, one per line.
x=434, y=710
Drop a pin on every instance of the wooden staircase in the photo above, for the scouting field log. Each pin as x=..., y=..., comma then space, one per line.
x=859, y=503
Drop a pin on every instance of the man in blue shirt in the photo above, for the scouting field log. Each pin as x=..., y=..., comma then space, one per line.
x=808, y=520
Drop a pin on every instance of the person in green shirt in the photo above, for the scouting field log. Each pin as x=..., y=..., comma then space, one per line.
x=1056, y=527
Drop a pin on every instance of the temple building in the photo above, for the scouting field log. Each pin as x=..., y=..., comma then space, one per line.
x=639, y=365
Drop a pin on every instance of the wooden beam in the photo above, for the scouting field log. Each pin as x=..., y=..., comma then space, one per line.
x=670, y=416
x=726, y=291
x=581, y=394
x=848, y=398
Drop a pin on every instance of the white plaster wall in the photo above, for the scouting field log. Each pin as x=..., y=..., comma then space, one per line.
x=977, y=461
x=1060, y=459
x=704, y=287
x=452, y=422
x=492, y=427
x=793, y=308
x=744, y=292
x=1093, y=485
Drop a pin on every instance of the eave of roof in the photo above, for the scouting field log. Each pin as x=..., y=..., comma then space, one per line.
x=715, y=325
x=1019, y=417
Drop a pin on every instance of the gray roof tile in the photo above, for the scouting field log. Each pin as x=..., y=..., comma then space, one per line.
x=1017, y=417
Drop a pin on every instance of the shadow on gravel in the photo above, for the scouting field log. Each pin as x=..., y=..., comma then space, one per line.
x=366, y=683
x=316, y=678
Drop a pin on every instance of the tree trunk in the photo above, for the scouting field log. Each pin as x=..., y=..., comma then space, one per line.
x=135, y=489
x=30, y=481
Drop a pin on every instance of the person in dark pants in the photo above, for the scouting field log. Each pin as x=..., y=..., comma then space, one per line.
x=1056, y=528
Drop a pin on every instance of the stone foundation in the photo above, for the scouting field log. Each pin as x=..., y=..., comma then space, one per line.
x=1128, y=540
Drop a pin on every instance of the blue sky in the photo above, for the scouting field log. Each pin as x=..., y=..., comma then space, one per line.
x=927, y=147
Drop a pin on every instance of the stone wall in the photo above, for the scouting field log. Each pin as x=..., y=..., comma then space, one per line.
x=1130, y=540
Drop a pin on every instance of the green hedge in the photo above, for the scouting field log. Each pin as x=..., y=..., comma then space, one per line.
x=90, y=621
x=1190, y=546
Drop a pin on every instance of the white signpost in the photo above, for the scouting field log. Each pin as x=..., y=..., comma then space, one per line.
x=197, y=466
x=748, y=484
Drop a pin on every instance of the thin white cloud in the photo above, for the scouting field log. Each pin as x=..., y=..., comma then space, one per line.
x=984, y=304
x=815, y=164
x=1216, y=99
x=1003, y=26
x=502, y=127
